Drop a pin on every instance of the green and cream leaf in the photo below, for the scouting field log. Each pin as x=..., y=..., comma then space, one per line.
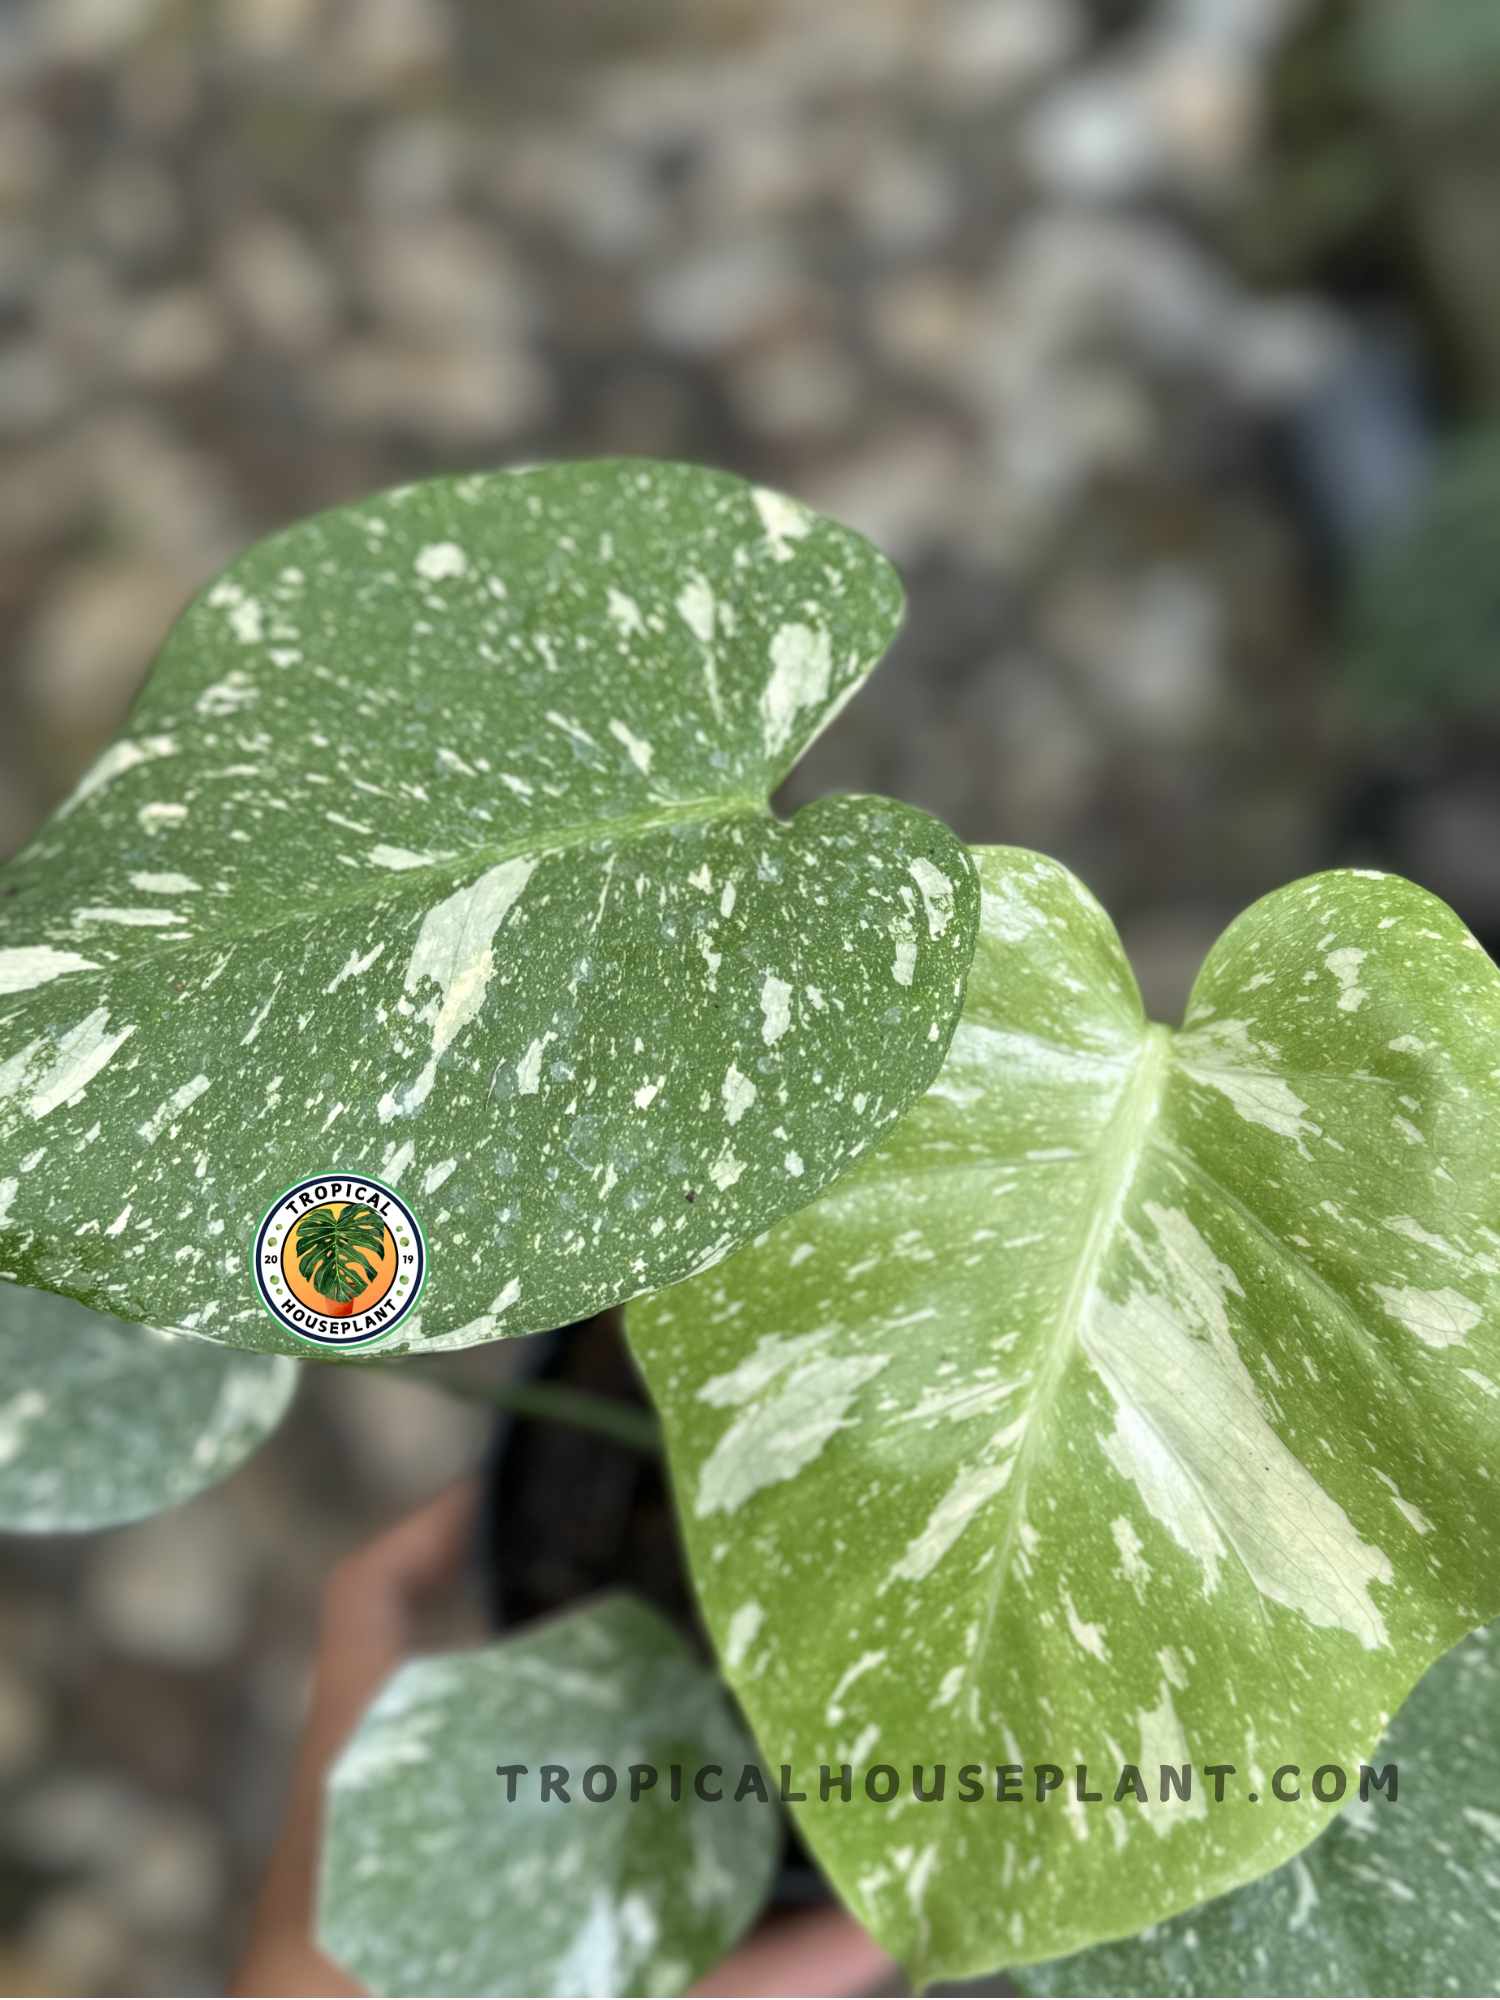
x=1135, y=1405
x=439, y=849
x=1391, y=1898
x=103, y=1422
x=436, y=1882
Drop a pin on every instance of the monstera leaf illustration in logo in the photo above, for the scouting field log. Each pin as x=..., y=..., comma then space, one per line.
x=334, y=1248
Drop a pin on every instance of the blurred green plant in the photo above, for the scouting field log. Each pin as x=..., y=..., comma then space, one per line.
x=1439, y=55
x=1424, y=620
x=1324, y=197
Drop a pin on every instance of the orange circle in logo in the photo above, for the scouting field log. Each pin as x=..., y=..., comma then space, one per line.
x=302, y=1289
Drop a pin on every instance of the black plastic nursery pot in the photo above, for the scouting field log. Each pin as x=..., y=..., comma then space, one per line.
x=568, y=1512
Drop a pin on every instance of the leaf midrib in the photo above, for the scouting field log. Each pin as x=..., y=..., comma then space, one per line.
x=462, y=865
x=1119, y=1157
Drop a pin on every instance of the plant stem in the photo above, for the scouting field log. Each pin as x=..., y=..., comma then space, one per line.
x=625, y=1423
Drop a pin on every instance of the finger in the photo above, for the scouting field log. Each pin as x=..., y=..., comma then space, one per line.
x=281, y=1962
x=418, y=1554
x=815, y=1953
x=366, y=1632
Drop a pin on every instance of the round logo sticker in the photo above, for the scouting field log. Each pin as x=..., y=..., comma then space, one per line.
x=339, y=1261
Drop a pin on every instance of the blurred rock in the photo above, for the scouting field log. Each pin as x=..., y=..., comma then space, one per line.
x=173, y=1588
x=796, y=389
x=718, y=299
x=1205, y=104
x=80, y=1943
x=279, y=285
x=28, y=158
x=80, y=314
x=34, y=389
x=449, y=396
x=598, y=199
x=280, y=1689
x=1095, y=138
x=23, y=1973
x=36, y=1633
x=987, y=50
x=445, y=280
x=44, y=491
x=759, y=170
x=93, y=641
x=412, y=167
x=159, y=90
x=158, y=495
x=1281, y=352
x=25, y=1725
x=924, y=323
x=172, y=337
x=269, y=28
x=1031, y=758
x=644, y=409
x=21, y=803
x=1047, y=758
x=92, y=31
x=169, y=1877
x=76, y=1820
x=907, y=492
x=1180, y=108
x=20, y=50
x=169, y=1971
x=1148, y=649
x=902, y=199
x=378, y=44
x=138, y=210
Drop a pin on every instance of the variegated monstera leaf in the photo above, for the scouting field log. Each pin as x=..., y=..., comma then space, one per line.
x=1136, y=1406
x=1397, y=1896
x=438, y=849
x=101, y=1422
x=454, y=1865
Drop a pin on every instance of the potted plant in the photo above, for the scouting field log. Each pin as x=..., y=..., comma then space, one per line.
x=1080, y=1428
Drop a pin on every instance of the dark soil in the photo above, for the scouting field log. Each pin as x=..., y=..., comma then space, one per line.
x=573, y=1513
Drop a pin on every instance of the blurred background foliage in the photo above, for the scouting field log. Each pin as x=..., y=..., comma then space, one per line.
x=1156, y=340
x=1424, y=622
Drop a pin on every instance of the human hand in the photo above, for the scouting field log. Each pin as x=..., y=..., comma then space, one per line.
x=370, y=1622
x=804, y=1956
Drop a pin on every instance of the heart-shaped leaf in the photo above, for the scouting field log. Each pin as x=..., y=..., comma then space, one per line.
x=439, y=850
x=1395, y=1897
x=101, y=1422
x=1133, y=1407
x=452, y=1866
